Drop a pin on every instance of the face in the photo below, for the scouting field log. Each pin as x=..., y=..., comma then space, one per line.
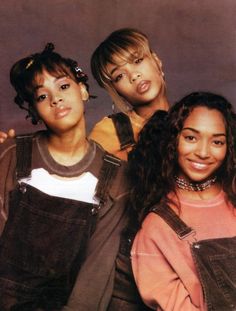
x=202, y=144
x=59, y=101
x=140, y=81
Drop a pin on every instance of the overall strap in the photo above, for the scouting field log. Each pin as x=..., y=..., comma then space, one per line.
x=173, y=220
x=106, y=176
x=124, y=129
x=23, y=155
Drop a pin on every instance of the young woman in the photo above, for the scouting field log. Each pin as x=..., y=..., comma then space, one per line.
x=125, y=65
x=131, y=72
x=62, y=198
x=184, y=255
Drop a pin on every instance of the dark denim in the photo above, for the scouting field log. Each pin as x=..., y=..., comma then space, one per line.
x=215, y=260
x=125, y=296
x=41, y=249
x=124, y=129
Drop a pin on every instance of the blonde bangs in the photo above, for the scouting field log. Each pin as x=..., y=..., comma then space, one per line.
x=119, y=54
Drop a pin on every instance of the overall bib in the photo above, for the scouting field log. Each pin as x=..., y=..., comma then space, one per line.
x=44, y=240
x=215, y=260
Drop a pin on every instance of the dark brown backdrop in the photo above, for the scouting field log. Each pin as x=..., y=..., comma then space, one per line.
x=196, y=40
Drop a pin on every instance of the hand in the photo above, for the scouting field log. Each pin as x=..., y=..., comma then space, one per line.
x=3, y=136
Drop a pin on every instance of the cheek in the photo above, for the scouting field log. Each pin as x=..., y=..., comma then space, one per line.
x=184, y=148
x=122, y=87
x=221, y=154
x=42, y=111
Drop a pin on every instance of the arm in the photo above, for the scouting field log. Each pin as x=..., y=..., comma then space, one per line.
x=163, y=275
x=3, y=136
x=94, y=283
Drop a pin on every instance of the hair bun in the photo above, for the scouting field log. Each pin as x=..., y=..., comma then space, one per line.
x=49, y=48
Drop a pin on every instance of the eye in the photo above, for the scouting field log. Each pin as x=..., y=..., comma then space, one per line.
x=41, y=98
x=190, y=138
x=219, y=142
x=118, y=77
x=138, y=60
x=65, y=86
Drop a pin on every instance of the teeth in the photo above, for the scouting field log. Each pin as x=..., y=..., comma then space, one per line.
x=199, y=165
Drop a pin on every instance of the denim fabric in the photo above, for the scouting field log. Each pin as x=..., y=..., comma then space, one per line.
x=216, y=264
x=124, y=129
x=215, y=260
x=125, y=296
x=41, y=249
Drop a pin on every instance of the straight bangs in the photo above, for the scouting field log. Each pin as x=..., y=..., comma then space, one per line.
x=56, y=69
x=124, y=52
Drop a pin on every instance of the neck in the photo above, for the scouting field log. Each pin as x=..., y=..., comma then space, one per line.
x=68, y=148
x=147, y=110
x=193, y=186
x=198, y=191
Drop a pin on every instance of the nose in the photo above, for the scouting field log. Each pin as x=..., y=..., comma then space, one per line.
x=202, y=149
x=56, y=100
x=135, y=76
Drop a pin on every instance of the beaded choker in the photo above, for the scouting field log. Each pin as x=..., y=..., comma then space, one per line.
x=185, y=185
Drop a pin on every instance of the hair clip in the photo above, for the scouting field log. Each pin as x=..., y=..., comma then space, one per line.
x=29, y=63
x=77, y=69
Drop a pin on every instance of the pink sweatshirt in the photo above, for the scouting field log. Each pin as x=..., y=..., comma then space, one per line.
x=162, y=263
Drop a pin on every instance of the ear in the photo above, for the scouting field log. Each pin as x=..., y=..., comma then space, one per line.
x=157, y=60
x=84, y=92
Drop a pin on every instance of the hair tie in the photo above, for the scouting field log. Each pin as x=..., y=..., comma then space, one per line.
x=30, y=62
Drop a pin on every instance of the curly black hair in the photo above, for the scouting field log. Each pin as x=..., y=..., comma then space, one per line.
x=24, y=72
x=153, y=162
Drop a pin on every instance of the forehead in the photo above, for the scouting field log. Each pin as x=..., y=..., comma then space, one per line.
x=57, y=72
x=123, y=56
x=205, y=119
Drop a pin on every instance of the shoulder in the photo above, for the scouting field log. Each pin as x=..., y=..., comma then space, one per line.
x=102, y=127
x=156, y=228
x=105, y=134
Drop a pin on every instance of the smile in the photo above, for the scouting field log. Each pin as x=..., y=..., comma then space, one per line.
x=199, y=166
x=143, y=86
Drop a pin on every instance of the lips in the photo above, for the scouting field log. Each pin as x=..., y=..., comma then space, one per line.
x=143, y=86
x=61, y=112
x=199, y=166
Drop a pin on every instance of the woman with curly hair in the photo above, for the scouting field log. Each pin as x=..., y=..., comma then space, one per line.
x=62, y=197
x=184, y=257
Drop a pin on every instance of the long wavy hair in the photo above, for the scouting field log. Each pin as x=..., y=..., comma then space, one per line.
x=153, y=163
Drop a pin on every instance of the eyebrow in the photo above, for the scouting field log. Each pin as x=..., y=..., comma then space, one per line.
x=113, y=70
x=196, y=131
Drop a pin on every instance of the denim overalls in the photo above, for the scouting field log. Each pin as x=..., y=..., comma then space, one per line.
x=215, y=260
x=124, y=129
x=125, y=296
x=44, y=240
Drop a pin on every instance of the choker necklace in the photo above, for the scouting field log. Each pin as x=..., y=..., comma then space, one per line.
x=185, y=185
